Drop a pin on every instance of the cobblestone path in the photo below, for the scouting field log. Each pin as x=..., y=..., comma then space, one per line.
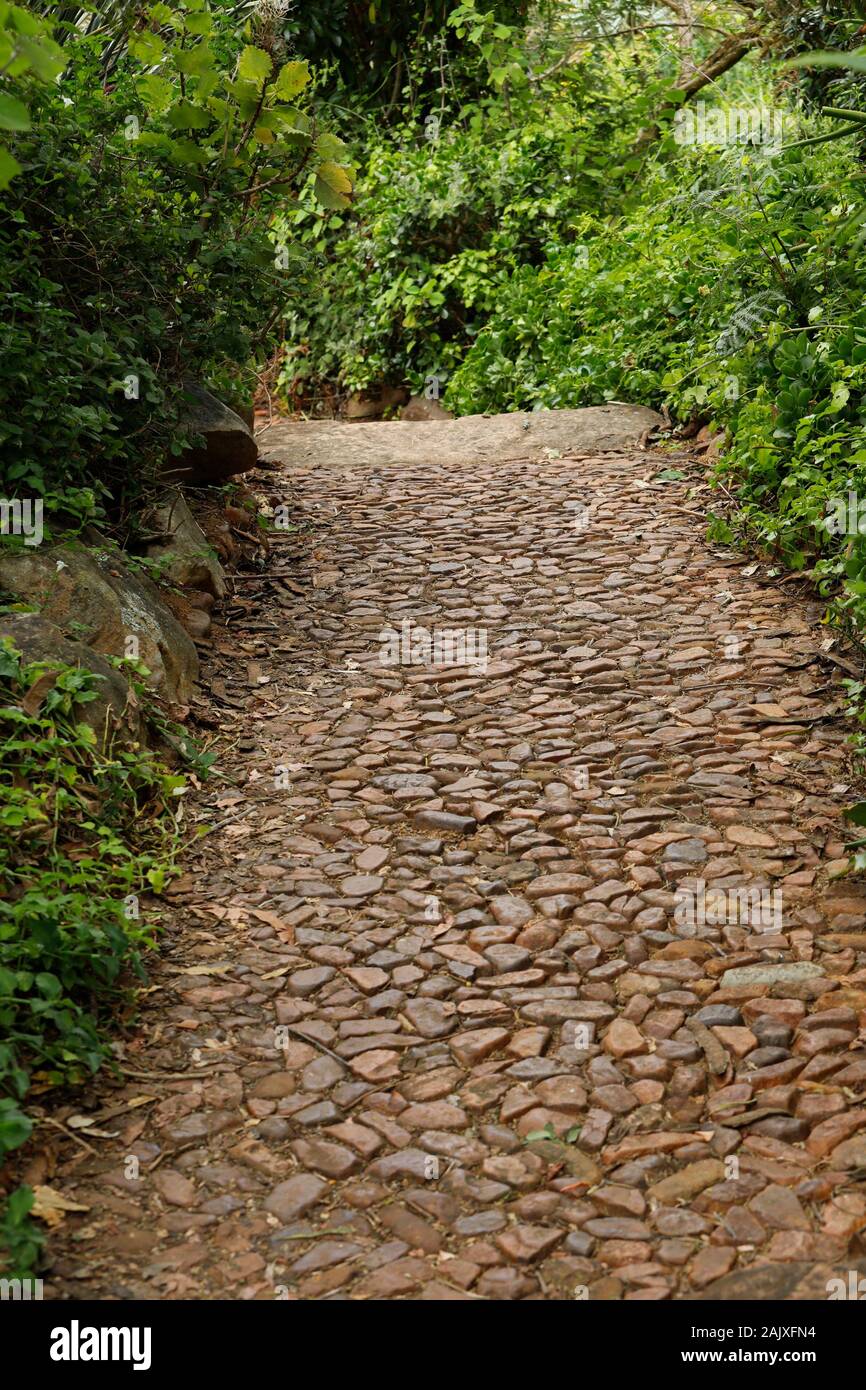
x=462, y=999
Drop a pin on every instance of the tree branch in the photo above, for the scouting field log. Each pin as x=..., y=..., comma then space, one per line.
x=630, y=29
x=728, y=53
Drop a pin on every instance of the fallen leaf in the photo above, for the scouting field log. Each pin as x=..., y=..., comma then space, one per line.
x=37, y=692
x=51, y=1206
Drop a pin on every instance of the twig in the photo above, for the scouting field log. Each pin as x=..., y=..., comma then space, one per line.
x=296, y=1032
x=70, y=1134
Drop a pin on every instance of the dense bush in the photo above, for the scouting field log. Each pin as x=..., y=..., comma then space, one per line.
x=441, y=225
x=136, y=240
x=84, y=830
x=454, y=201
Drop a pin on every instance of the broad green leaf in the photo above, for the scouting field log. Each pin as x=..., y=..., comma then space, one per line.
x=254, y=66
x=15, y=1127
x=289, y=118
x=21, y=20
x=292, y=79
x=246, y=94
x=147, y=48
x=333, y=186
x=156, y=93
x=193, y=62
x=840, y=397
x=203, y=84
x=855, y=62
x=13, y=113
x=199, y=23
x=184, y=116
x=44, y=57
x=154, y=140
x=9, y=167
x=856, y=813
x=330, y=147
x=188, y=152
x=219, y=106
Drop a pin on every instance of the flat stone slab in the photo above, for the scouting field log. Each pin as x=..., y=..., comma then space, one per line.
x=482, y=438
x=771, y=974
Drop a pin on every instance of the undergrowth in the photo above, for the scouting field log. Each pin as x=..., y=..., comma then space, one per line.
x=88, y=826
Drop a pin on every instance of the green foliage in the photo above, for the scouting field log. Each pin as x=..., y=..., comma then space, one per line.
x=599, y=321
x=136, y=245
x=26, y=51
x=21, y=1241
x=388, y=53
x=448, y=207
x=84, y=830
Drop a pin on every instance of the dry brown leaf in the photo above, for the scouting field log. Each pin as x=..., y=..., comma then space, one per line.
x=37, y=692
x=51, y=1206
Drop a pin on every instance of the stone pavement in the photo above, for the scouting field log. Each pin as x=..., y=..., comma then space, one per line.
x=461, y=1000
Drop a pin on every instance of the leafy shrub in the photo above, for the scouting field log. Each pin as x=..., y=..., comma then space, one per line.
x=449, y=205
x=599, y=322
x=83, y=831
x=440, y=226
x=136, y=243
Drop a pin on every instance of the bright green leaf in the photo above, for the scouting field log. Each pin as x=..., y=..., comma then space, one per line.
x=333, y=185
x=147, y=48
x=254, y=66
x=9, y=167
x=13, y=113
x=292, y=79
